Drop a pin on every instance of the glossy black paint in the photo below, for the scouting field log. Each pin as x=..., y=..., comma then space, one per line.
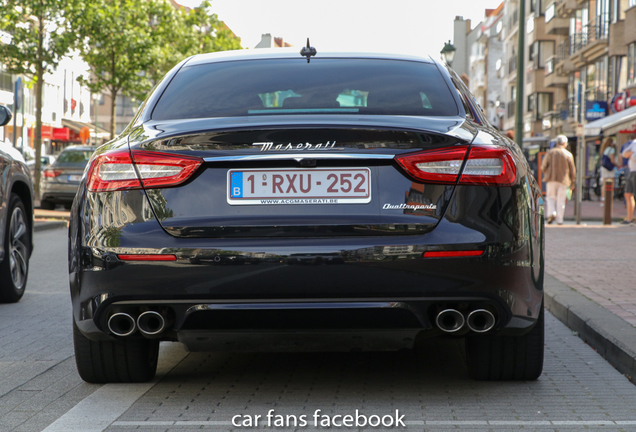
x=361, y=266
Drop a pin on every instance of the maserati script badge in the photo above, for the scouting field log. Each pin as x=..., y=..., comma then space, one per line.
x=269, y=146
x=409, y=207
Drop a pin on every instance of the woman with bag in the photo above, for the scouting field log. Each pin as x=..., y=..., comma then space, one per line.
x=608, y=162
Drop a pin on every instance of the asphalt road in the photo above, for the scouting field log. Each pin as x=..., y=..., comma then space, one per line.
x=40, y=389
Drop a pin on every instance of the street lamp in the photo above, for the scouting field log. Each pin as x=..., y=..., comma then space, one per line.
x=448, y=53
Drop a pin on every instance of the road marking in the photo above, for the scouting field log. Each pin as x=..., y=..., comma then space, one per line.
x=99, y=410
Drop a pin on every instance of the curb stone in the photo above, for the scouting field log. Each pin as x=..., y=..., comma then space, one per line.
x=48, y=225
x=613, y=337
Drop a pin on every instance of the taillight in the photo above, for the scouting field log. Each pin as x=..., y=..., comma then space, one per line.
x=115, y=170
x=485, y=165
x=51, y=173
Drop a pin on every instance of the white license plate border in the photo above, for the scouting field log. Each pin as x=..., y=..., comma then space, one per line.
x=294, y=201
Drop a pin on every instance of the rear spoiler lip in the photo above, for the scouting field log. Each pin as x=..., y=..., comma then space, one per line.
x=298, y=156
x=455, y=127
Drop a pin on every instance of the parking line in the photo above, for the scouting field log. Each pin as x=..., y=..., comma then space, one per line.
x=99, y=410
x=448, y=423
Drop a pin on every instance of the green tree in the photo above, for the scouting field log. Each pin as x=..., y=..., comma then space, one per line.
x=116, y=41
x=207, y=32
x=41, y=36
x=182, y=33
x=130, y=44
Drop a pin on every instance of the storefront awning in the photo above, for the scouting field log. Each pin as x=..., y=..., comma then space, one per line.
x=611, y=124
x=77, y=126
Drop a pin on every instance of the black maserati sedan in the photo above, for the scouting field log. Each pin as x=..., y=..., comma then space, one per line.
x=267, y=200
x=16, y=219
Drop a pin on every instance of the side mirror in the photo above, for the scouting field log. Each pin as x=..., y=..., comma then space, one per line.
x=5, y=115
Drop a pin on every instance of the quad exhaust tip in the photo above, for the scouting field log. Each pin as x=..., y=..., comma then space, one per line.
x=449, y=320
x=480, y=320
x=122, y=324
x=151, y=323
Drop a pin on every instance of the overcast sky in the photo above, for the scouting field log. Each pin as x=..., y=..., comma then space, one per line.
x=405, y=26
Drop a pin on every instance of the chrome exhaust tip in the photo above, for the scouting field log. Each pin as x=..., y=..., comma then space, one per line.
x=480, y=320
x=121, y=324
x=151, y=323
x=449, y=320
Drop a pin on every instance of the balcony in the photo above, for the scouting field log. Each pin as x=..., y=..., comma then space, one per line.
x=554, y=25
x=552, y=78
x=563, y=62
x=593, y=38
x=565, y=8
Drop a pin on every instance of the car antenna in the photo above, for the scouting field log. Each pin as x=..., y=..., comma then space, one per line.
x=308, y=51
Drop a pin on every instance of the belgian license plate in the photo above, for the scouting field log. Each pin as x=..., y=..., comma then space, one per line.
x=299, y=186
x=74, y=177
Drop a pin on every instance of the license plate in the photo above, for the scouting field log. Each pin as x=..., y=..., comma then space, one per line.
x=74, y=177
x=299, y=186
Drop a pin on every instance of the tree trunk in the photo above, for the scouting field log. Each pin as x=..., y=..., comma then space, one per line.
x=113, y=112
x=39, y=85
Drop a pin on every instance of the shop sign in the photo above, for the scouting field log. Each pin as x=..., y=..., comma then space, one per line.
x=595, y=110
x=61, y=134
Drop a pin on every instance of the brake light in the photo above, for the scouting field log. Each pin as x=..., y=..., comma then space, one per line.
x=485, y=165
x=116, y=170
x=50, y=173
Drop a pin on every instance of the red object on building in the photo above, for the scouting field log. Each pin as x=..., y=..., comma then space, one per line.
x=61, y=134
x=73, y=104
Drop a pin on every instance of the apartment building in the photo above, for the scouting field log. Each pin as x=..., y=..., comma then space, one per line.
x=541, y=89
x=478, y=59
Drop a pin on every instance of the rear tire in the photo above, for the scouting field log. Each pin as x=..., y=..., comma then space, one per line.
x=14, y=268
x=126, y=361
x=507, y=358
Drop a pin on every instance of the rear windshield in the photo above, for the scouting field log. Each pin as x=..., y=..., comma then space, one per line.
x=75, y=156
x=293, y=86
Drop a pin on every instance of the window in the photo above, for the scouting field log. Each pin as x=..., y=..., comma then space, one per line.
x=539, y=53
x=531, y=105
x=617, y=9
x=292, y=86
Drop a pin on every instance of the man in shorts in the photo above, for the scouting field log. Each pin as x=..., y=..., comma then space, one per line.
x=630, y=182
x=558, y=174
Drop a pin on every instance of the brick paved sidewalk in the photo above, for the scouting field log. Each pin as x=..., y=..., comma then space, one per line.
x=597, y=261
x=593, y=210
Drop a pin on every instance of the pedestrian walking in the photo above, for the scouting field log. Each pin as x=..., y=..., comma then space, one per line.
x=630, y=181
x=558, y=173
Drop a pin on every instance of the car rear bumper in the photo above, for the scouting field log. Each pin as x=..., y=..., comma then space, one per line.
x=208, y=292
x=247, y=286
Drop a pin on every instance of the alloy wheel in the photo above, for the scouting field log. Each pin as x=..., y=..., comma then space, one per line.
x=18, y=250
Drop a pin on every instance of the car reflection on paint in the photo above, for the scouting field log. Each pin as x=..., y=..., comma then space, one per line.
x=315, y=259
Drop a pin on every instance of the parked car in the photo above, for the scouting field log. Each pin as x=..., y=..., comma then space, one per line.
x=45, y=161
x=61, y=179
x=384, y=164
x=16, y=219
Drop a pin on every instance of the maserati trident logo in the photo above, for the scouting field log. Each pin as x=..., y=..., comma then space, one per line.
x=269, y=146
